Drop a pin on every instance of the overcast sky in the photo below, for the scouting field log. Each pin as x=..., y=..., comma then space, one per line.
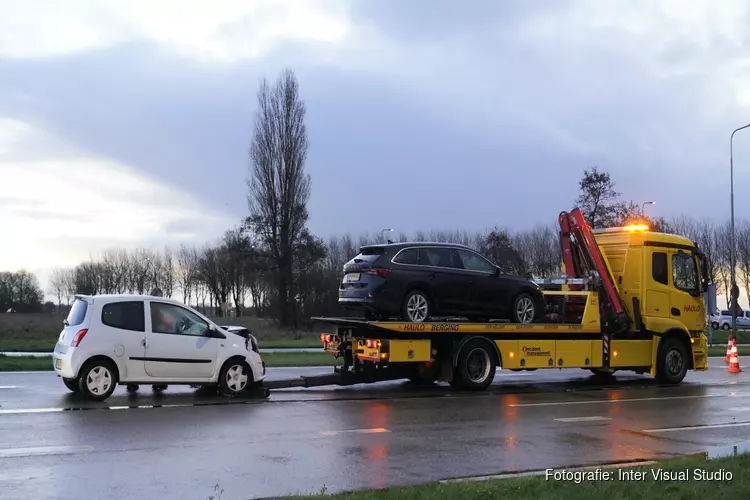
x=128, y=122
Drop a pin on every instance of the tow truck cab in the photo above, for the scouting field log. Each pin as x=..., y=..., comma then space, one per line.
x=661, y=279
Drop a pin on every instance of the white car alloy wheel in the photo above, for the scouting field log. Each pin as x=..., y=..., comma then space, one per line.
x=99, y=380
x=236, y=378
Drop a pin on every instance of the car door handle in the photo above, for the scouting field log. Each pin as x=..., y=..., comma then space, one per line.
x=144, y=343
x=675, y=311
x=431, y=276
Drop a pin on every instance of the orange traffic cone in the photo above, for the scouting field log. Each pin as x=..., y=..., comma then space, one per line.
x=734, y=360
x=729, y=350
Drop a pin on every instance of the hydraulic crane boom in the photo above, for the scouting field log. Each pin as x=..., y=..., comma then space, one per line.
x=582, y=257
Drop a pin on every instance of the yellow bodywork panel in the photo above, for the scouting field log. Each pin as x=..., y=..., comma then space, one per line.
x=550, y=353
x=700, y=352
x=631, y=353
x=402, y=351
x=573, y=353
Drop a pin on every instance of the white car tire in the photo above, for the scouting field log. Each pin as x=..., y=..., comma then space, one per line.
x=98, y=379
x=235, y=377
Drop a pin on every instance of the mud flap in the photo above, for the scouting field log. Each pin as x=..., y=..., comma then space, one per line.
x=655, y=343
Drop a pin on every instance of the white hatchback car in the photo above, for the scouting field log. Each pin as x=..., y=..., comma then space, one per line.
x=138, y=339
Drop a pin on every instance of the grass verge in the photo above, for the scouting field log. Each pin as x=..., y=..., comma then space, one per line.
x=542, y=488
x=272, y=359
x=25, y=363
x=721, y=351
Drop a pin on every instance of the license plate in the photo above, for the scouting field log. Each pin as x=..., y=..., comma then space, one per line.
x=59, y=364
x=353, y=277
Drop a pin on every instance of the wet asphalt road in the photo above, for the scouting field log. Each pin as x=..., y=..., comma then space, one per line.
x=55, y=446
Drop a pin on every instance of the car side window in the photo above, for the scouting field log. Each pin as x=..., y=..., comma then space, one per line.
x=407, y=256
x=659, y=268
x=475, y=262
x=125, y=316
x=175, y=320
x=436, y=256
x=684, y=273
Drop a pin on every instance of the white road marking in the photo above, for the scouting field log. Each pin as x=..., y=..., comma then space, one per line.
x=582, y=419
x=614, y=401
x=698, y=427
x=377, y=430
x=739, y=408
x=18, y=411
x=8, y=387
x=44, y=450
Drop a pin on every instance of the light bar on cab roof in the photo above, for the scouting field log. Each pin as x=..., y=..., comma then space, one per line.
x=629, y=227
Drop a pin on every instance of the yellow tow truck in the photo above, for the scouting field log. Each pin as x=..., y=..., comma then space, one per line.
x=630, y=300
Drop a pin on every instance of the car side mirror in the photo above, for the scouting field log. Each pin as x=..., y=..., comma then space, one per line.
x=213, y=333
x=496, y=274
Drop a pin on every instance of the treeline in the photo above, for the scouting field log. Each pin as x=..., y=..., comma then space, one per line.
x=20, y=292
x=237, y=271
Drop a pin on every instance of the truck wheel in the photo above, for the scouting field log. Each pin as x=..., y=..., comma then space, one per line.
x=715, y=325
x=476, y=366
x=726, y=326
x=672, y=361
x=524, y=309
x=416, y=307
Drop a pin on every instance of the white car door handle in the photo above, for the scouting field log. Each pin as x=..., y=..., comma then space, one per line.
x=144, y=343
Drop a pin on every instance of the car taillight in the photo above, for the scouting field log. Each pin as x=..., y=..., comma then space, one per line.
x=383, y=273
x=78, y=338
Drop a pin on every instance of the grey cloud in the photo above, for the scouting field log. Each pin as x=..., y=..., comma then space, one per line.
x=503, y=144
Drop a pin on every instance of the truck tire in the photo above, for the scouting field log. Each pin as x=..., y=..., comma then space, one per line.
x=672, y=361
x=476, y=366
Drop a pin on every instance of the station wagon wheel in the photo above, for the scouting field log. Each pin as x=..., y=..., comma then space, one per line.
x=524, y=309
x=235, y=377
x=416, y=307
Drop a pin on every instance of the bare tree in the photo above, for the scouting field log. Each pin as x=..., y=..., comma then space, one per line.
x=279, y=188
x=58, y=285
x=743, y=255
x=168, y=273
x=187, y=271
x=723, y=247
